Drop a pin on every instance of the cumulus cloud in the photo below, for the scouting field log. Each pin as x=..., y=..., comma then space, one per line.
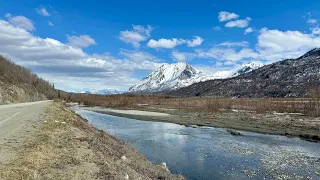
x=273, y=45
x=165, y=43
x=172, y=43
x=43, y=11
x=280, y=41
x=136, y=35
x=20, y=21
x=81, y=41
x=67, y=66
x=248, y=30
x=197, y=41
x=242, y=23
x=50, y=23
x=183, y=56
x=227, y=16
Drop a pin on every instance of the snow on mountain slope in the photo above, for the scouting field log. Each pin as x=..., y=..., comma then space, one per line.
x=168, y=77
x=238, y=71
x=107, y=91
x=101, y=92
x=174, y=76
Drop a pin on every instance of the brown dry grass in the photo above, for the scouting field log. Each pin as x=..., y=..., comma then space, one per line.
x=308, y=106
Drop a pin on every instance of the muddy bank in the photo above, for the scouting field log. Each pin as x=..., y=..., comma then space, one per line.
x=66, y=147
x=291, y=125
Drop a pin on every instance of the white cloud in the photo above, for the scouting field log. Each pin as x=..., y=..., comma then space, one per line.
x=216, y=28
x=229, y=54
x=165, y=43
x=137, y=35
x=277, y=45
x=280, y=41
x=315, y=31
x=50, y=23
x=248, y=30
x=273, y=45
x=172, y=43
x=43, y=12
x=183, y=56
x=227, y=16
x=197, y=41
x=20, y=21
x=81, y=41
x=67, y=66
x=242, y=23
x=234, y=44
x=312, y=21
x=138, y=56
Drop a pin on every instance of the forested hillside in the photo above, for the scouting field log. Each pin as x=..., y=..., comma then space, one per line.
x=18, y=84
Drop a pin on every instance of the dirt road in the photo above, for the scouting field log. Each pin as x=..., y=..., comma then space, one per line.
x=17, y=122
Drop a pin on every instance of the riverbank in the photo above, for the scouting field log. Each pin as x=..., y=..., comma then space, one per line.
x=65, y=146
x=287, y=124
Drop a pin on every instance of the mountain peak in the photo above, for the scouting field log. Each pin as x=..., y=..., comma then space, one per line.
x=168, y=77
x=313, y=53
x=247, y=68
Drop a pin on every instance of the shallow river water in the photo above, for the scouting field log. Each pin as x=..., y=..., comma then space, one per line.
x=213, y=153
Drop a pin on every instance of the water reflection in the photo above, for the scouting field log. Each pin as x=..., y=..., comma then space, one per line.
x=212, y=153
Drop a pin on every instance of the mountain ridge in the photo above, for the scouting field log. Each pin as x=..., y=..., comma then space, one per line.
x=286, y=78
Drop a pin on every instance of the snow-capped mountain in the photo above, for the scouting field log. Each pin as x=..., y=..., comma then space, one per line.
x=238, y=71
x=247, y=68
x=101, y=92
x=168, y=77
x=174, y=76
x=107, y=91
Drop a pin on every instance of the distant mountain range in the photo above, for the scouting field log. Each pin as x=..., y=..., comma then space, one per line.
x=101, y=92
x=287, y=78
x=170, y=77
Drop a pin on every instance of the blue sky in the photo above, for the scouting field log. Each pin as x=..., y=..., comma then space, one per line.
x=99, y=44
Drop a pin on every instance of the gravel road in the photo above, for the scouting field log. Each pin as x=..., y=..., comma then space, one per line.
x=17, y=123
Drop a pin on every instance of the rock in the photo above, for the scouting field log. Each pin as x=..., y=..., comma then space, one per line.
x=234, y=133
x=124, y=158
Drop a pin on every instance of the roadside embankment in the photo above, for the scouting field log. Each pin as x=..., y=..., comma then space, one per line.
x=65, y=146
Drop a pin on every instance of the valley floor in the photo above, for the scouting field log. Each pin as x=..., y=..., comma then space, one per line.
x=64, y=146
x=288, y=124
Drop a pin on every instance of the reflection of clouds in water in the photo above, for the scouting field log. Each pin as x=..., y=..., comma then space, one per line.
x=167, y=126
x=170, y=132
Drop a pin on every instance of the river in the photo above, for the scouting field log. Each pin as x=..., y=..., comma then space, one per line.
x=213, y=153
